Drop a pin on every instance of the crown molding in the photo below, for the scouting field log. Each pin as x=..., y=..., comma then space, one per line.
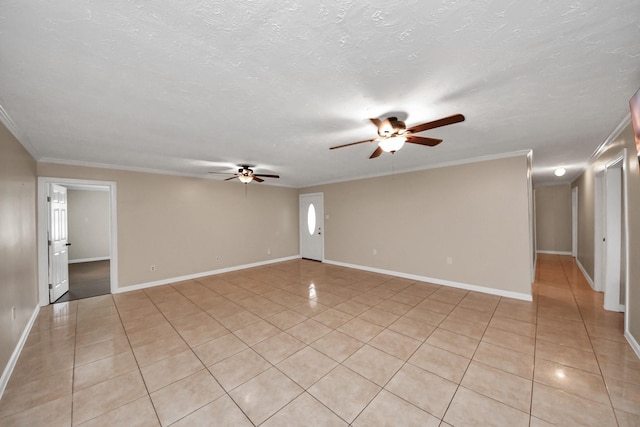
x=612, y=136
x=6, y=120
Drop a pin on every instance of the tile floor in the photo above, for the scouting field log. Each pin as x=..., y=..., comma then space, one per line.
x=306, y=344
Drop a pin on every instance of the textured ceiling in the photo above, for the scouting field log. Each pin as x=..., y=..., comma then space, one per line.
x=192, y=86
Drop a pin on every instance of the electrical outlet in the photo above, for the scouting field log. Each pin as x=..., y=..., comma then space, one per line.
x=13, y=312
x=374, y=252
x=449, y=260
x=153, y=268
x=268, y=251
x=217, y=258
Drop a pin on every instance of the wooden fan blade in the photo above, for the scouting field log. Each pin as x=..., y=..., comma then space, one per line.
x=266, y=175
x=233, y=177
x=353, y=143
x=255, y=178
x=431, y=142
x=456, y=118
x=376, y=153
x=376, y=122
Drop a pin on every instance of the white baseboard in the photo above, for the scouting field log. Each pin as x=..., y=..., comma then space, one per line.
x=618, y=308
x=633, y=343
x=11, y=364
x=555, y=252
x=586, y=275
x=100, y=258
x=476, y=288
x=203, y=274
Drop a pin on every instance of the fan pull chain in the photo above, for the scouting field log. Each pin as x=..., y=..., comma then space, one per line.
x=393, y=165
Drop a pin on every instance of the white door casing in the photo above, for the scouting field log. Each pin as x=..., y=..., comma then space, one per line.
x=312, y=226
x=58, y=242
x=613, y=238
x=599, y=232
x=574, y=222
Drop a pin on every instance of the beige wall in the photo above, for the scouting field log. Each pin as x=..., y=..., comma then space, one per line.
x=18, y=257
x=586, y=189
x=88, y=214
x=182, y=224
x=476, y=213
x=553, y=218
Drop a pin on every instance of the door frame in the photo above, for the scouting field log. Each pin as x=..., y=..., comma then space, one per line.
x=320, y=221
x=43, y=227
x=574, y=222
x=600, y=218
x=599, y=230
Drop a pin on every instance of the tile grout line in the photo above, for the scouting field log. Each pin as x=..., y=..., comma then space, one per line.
x=135, y=358
x=471, y=360
x=73, y=374
x=564, y=270
x=206, y=368
x=536, y=299
x=356, y=373
x=227, y=392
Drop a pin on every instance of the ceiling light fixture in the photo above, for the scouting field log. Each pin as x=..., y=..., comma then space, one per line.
x=245, y=178
x=393, y=144
x=560, y=172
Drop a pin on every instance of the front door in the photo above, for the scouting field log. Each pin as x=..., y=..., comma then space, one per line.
x=311, y=226
x=58, y=244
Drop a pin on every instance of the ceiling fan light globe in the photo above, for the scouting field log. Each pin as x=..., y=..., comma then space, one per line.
x=245, y=178
x=393, y=144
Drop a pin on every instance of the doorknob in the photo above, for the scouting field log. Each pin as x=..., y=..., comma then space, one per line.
x=67, y=244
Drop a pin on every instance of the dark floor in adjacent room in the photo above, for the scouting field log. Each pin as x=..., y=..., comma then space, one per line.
x=87, y=279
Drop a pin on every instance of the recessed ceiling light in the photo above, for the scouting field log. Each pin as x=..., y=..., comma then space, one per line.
x=560, y=172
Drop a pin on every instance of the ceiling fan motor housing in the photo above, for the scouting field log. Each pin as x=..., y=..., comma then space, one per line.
x=391, y=126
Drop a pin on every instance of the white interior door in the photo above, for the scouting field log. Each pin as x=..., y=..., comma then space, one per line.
x=58, y=243
x=311, y=226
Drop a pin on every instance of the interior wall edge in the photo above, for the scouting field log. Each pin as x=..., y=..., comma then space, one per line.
x=632, y=342
x=459, y=285
x=167, y=281
x=586, y=275
x=11, y=364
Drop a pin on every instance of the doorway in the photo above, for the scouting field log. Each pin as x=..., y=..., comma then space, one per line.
x=610, y=269
x=92, y=267
x=311, y=226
